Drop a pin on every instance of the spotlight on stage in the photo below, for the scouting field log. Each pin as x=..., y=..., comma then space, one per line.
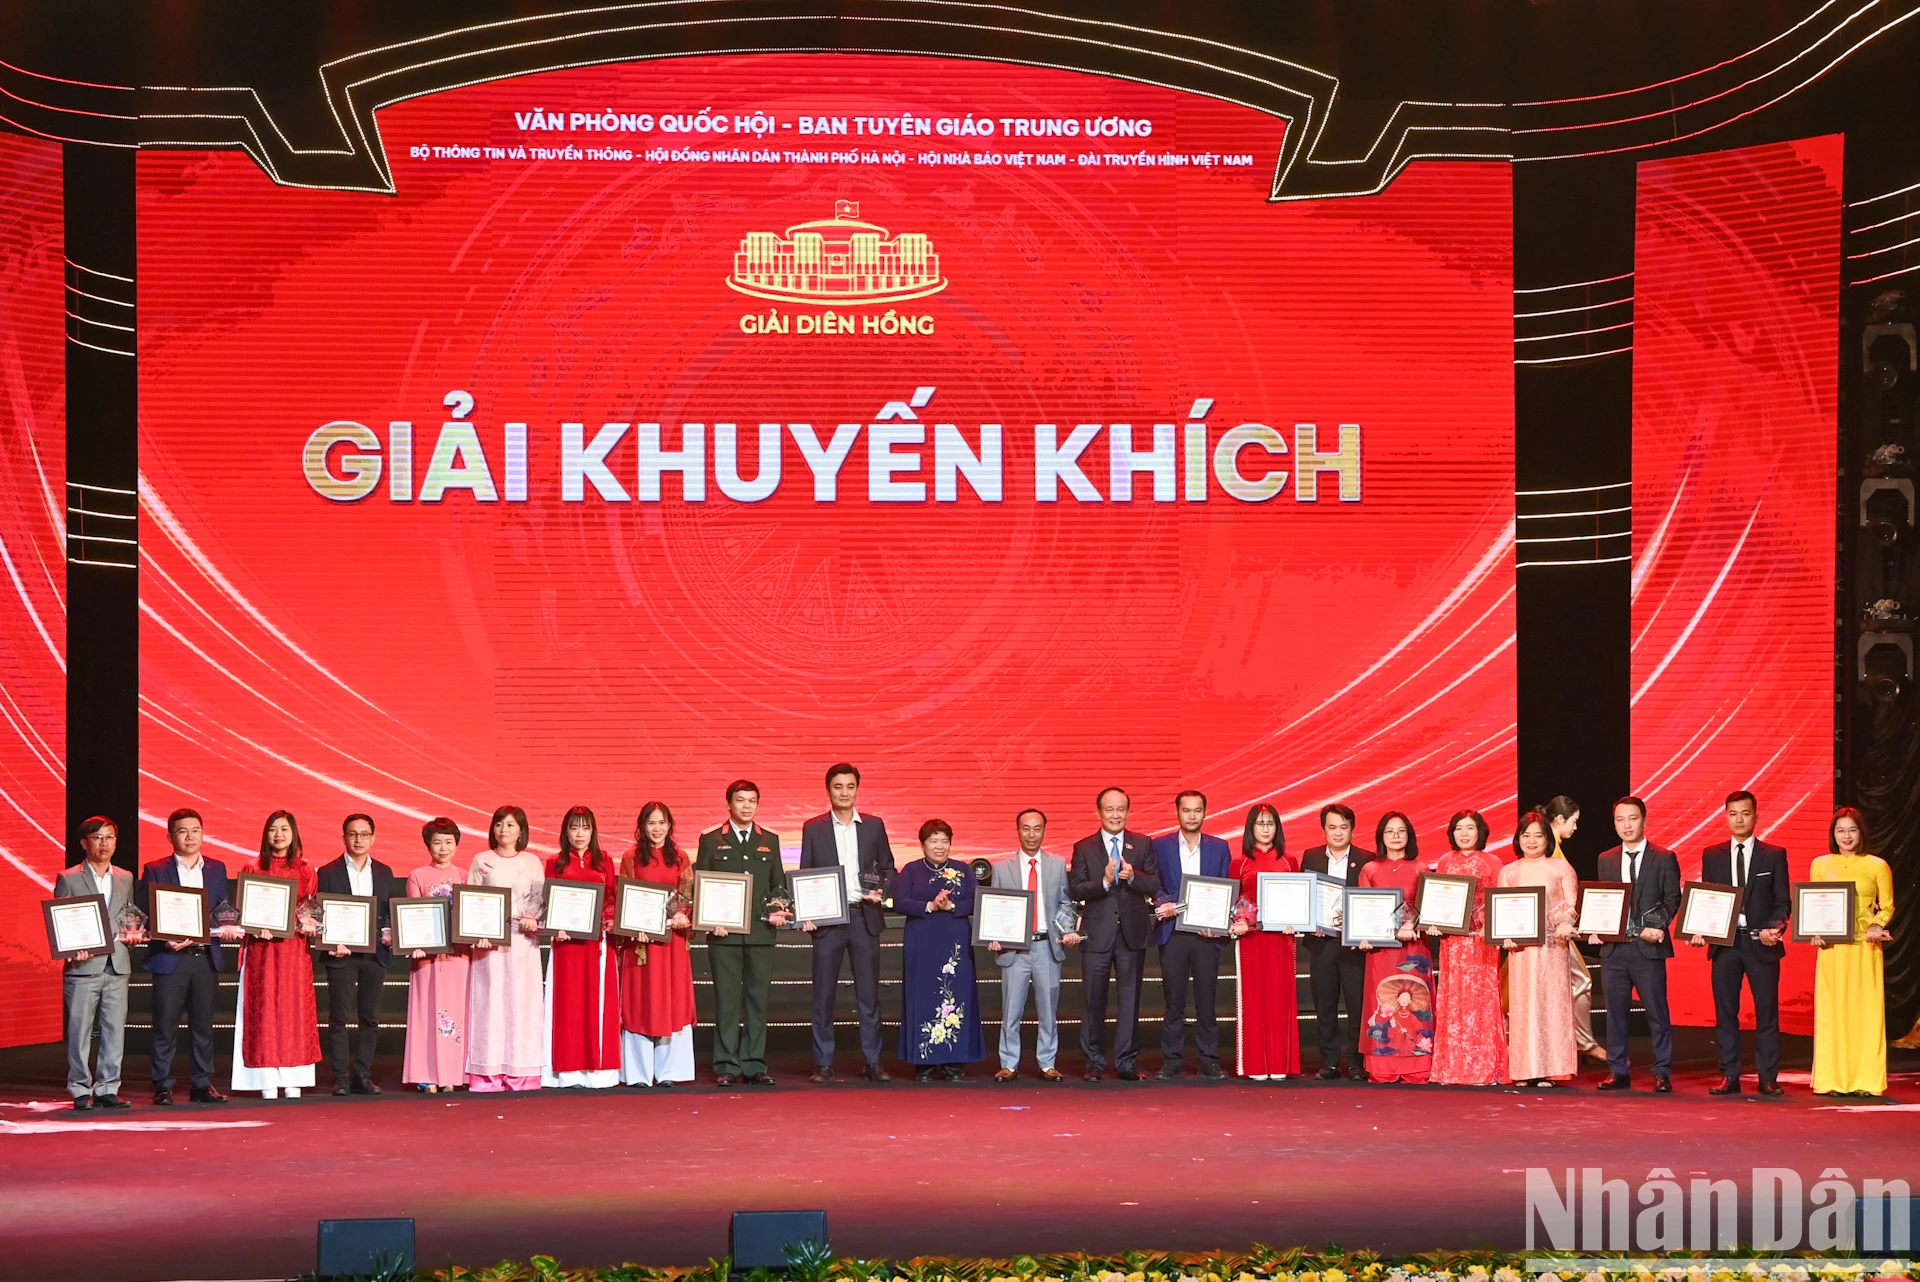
x=764, y=1239
x=982, y=871
x=1887, y=510
x=1886, y=665
x=366, y=1248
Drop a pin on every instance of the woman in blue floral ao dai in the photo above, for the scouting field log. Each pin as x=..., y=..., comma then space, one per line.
x=940, y=1013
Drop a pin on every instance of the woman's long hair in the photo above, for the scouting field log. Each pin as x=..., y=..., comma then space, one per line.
x=643, y=852
x=293, y=848
x=1481, y=831
x=1380, y=835
x=1247, y=846
x=596, y=859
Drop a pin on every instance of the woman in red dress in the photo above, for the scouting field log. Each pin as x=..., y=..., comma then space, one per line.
x=1398, y=1036
x=583, y=978
x=1470, y=1030
x=1267, y=1015
x=656, y=980
x=276, y=1035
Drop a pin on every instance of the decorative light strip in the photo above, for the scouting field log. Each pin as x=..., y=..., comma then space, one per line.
x=1577, y=489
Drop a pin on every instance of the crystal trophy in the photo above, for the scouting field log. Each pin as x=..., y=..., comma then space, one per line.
x=130, y=925
x=226, y=920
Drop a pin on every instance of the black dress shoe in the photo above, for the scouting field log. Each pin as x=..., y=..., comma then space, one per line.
x=365, y=1086
x=663, y=1083
x=875, y=1073
x=924, y=1073
x=1328, y=1075
x=1355, y=1073
x=1615, y=1084
x=163, y=1096
x=954, y=1072
x=821, y=1076
x=208, y=1095
x=1663, y=1086
x=110, y=1100
x=1727, y=1086
x=1094, y=1075
x=726, y=1079
x=83, y=1103
x=1128, y=1075
x=1212, y=1070
x=341, y=1088
x=1171, y=1073
x=1771, y=1090
x=757, y=1079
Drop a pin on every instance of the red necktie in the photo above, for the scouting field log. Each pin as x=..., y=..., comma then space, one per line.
x=1033, y=888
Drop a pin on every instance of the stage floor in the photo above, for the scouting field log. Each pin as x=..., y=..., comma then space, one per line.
x=904, y=1168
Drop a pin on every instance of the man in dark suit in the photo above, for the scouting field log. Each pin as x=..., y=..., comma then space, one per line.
x=95, y=983
x=856, y=844
x=184, y=975
x=742, y=962
x=1113, y=872
x=354, y=980
x=1639, y=964
x=1336, y=973
x=1186, y=957
x=1761, y=870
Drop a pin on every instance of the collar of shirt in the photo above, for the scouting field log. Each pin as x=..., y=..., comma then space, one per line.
x=850, y=823
x=194, y=876
x=360, y=880
x=740, y=835
x=1189, y=857
x=103, y=879
x=1342, y=857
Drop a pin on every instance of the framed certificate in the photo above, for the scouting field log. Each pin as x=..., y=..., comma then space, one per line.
x=573, y=907
x=1286, y=901
x=422, y=925
x=1206, y=904
x=641, y=910
x=1444, y=902
x=1329, y=898
x=1709, y=911
x=179, y=913
x=720, y=900
x=1003, y=917
x=347, y=921
x=76, y=925
x=266, y=904
x=483, y=914
x=1823, y=910
x=1516, y=913
x=1602, y=910
x=1370, y=915
x=819, y=896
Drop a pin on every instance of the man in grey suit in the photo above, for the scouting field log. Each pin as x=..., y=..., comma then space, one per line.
x=1038, y=967
x=96, y=984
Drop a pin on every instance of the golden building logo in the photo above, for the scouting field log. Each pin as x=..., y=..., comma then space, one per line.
x=837, y=260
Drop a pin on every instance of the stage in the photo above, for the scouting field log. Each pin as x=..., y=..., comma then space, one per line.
x=903, y=1168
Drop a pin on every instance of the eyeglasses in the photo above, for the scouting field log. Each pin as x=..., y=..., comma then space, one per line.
x=359, y=834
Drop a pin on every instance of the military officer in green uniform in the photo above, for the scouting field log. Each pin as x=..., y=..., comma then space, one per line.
x=742, y=964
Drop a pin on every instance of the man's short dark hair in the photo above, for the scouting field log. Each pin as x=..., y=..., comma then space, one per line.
x=739, y=786
x=1101, y=796
x=1181, y=796
x=90, y=826
x=1635, y=802
x=1030, y=810
x=356, y=815
x=183, y=813
x=1335, y=808
x=1742, y=795
x=839, y=768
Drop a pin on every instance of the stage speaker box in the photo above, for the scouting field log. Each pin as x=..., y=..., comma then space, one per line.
x=362, y=1248
x=759, y=1239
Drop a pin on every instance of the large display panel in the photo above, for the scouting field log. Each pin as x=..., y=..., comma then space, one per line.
x=1737, y=271
x=681, y=421
x=33, y=559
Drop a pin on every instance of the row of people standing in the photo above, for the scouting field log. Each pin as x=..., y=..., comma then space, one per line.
x=605, y=1011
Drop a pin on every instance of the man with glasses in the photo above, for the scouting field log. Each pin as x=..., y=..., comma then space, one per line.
x=355, y=980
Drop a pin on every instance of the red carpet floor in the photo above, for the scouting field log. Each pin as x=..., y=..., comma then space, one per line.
x=233, y=1191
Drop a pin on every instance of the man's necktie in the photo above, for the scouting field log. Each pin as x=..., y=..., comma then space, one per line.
x=1033, y=888
x=1740, y=863
x=1113, y=844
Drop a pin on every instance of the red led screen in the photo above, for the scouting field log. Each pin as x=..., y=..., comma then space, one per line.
x=984, y=425
x=1737, y=266
x=33, y=620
